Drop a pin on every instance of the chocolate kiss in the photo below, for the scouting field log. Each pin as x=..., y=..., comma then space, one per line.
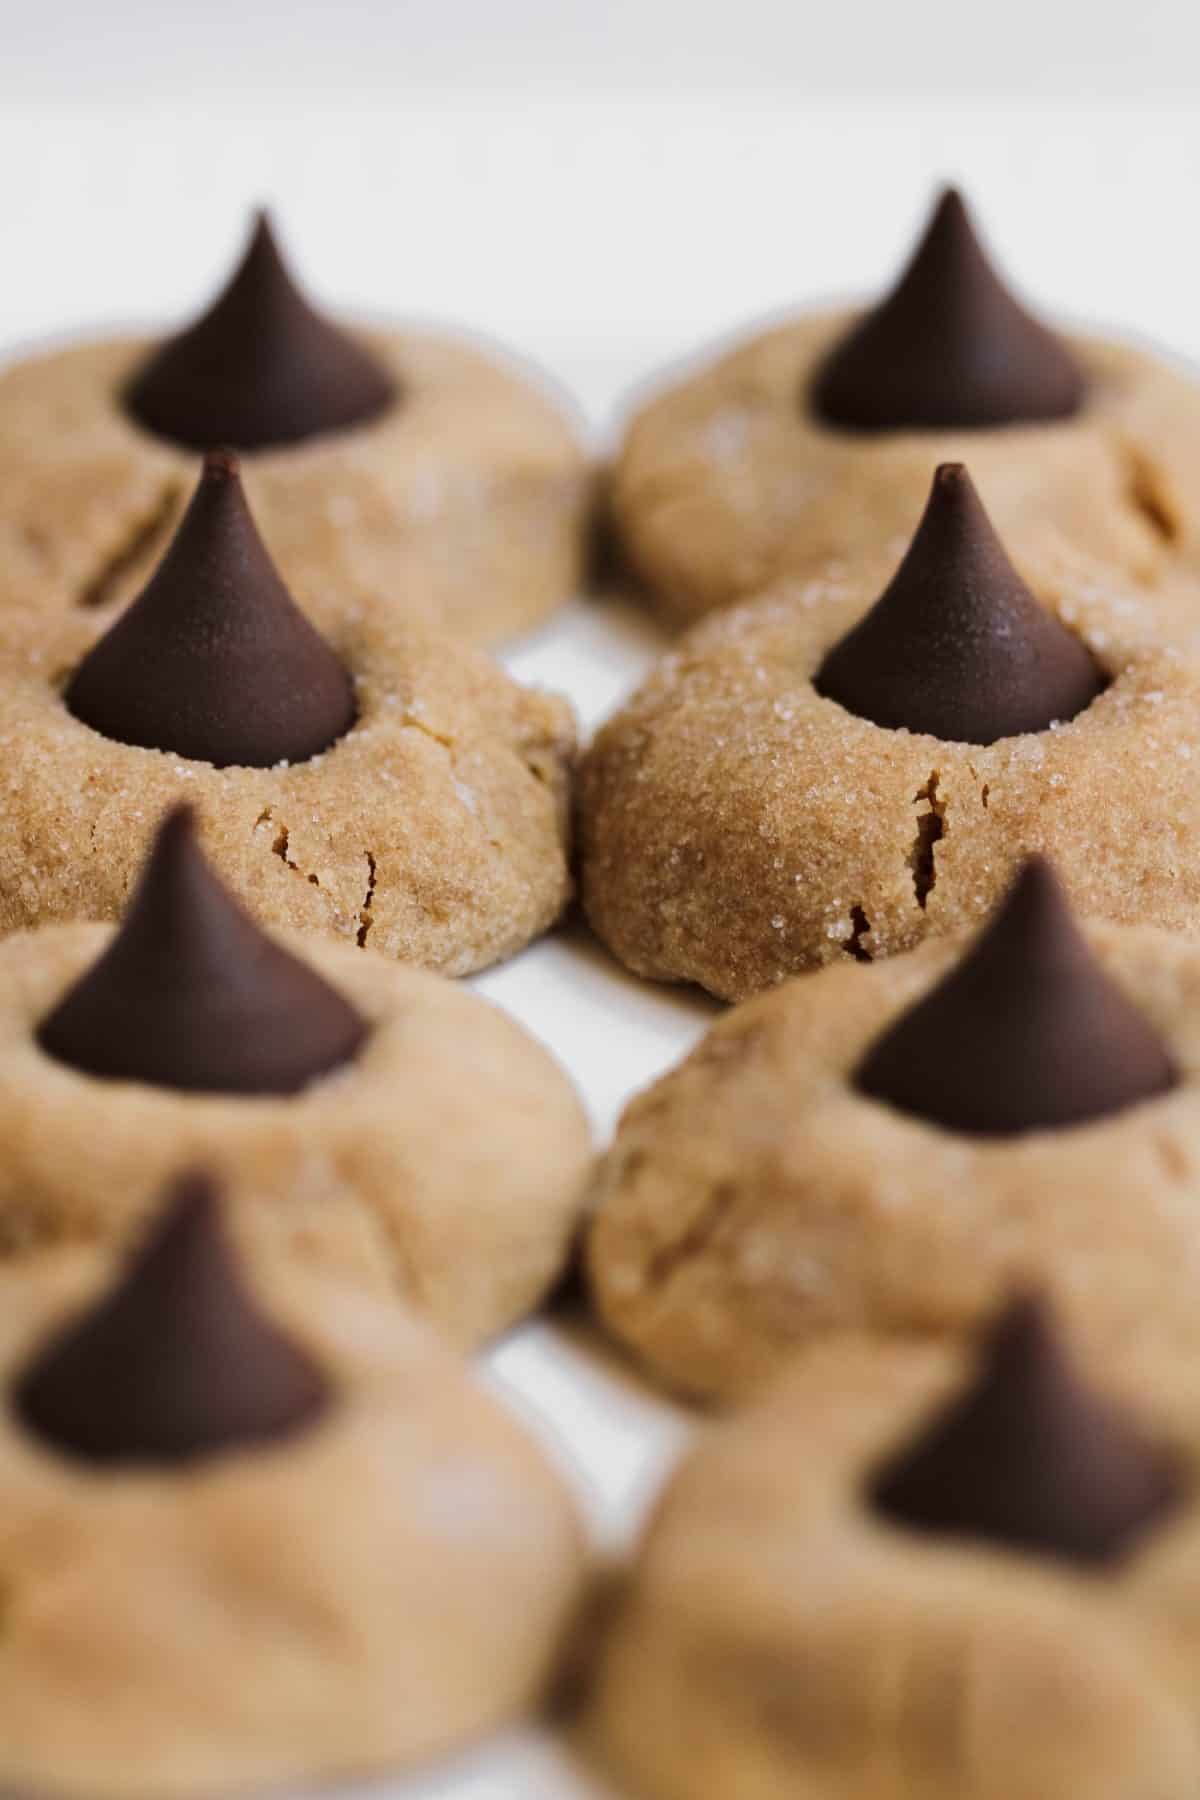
x=214, y=660
x=948, y=348
x=1027, y=1033
x=191, y=995
x=1028, y=1457
x=957, y=646
x=176, y=1361
x=261, y=367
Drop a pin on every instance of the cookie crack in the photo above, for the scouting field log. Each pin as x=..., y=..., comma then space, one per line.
x=365, y=920
x=143, y=533
x=860, y=926
x=931, y=828
x=696, y=1239
x=280, y=847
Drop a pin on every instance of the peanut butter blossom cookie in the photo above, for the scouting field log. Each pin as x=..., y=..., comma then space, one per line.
x=260, y=1530
x=371, y=1117
x=855, y=763
x=378, y=784
x=815, y=440
x=902, y=1577
x=412, y=473
x=889, y=1149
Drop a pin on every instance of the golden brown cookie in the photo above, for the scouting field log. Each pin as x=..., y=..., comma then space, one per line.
x=443, y=1162
x=782, y=1639
x=814, y=440
x=782, y=1184
x=434, y=830
x=377, y=1586
x=737, y=825
x=463, y=505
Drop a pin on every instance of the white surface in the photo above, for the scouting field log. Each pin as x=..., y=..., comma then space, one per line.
x=603, y=224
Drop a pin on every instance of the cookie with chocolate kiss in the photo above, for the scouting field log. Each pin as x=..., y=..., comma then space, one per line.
x=907, y=1571
x=811, y=443
x=260, y=368
x=892, y=1148
x=214, y=660
x=849, y=765
x=176, y=1361
x=956, y=646
x=409, y=473
x=191, y=995
x=234, y=1490
x=950, y=347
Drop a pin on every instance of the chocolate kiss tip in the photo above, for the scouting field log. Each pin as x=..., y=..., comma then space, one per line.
x=214, y=660
x=948, y=348
x=957, y=646
x=1027, y=1033
x=1029, y=1458
x=176, y=1361
x=260, y=368
x=191, y=995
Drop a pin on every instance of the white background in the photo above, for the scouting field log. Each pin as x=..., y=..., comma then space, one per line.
x=603, y=186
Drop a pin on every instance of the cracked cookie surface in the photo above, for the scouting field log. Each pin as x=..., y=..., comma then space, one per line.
x=736, y=827
x=805, y=1649
x=369, y=1593
x=444, y=1164
x=754, y=1201
x=464, y=507
x=435, y=830
x=727, y=483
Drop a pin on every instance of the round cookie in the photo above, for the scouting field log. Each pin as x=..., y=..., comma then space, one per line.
x=423, y=1142
x=802, y=1644
x=384, y=1580
x=887, y=1149
x=430, y=822
x=738, y=823
x=460, y=502
x=731, y=480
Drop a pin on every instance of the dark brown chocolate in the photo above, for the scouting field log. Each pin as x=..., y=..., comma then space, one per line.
x=957, y=646
x=261, y=367
x=948, y=348
x=1030, y=1458
x=177, y=1361
x=214, y=660
x=1026, y=1033
x=191, y=995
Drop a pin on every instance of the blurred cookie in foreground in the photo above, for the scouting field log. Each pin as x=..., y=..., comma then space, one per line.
x=814, y=440
x=429, y=480
x=888, y=1149
x=374, y=782
x=848, y=765
x=264, y=1521
x=908, y=1572
x=373, y=1118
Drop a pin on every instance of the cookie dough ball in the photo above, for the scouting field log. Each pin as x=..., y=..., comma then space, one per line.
x=371, y=1117
x=799, y=1640
x=260, y=1530
x=888, y=1149
x=417, y=475
x=379, y=785
x=815, y=440
x=849, y=765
